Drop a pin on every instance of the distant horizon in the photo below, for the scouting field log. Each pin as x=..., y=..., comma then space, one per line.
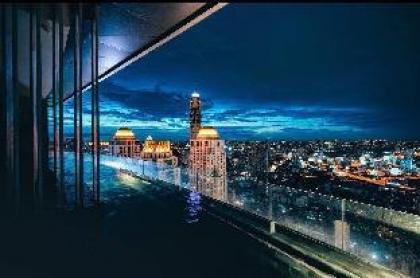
x=108, y=136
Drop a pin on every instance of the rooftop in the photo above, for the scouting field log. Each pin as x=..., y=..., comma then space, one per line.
x=124, y=133
x=208, y=132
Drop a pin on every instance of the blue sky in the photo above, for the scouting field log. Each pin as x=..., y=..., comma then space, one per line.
x=279, y=71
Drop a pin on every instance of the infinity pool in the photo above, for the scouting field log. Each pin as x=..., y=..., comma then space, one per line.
x=141, y=230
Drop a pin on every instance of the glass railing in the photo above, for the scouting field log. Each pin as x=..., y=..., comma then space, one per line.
x=375, y=234
x=378, y=235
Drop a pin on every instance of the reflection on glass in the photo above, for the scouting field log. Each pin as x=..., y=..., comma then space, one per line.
x=365, y=231
x=385, y=236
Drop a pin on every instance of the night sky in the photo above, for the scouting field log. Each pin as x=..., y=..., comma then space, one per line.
x=278, y=71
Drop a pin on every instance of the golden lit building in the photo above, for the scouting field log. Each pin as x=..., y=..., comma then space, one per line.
x=159, y=151
x=124, y=143
x=207, y=163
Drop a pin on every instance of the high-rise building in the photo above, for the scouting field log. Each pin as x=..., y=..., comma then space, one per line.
x=124, y=143
x=195, y=115
x=207, y=158
x=207, y=163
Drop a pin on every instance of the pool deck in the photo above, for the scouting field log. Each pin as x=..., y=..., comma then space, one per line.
x=144, y=234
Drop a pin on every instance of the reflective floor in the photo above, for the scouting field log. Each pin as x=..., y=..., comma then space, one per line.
x=142, y=230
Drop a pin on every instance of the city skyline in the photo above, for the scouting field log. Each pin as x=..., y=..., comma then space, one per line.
x=287, y=132
x=316, y=72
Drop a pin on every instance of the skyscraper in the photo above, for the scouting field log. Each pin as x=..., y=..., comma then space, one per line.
x=195, y=115
x=207, y=158
x=207, y=163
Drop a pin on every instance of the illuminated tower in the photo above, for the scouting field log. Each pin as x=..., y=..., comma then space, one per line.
x=195, y=115
x=207, y=163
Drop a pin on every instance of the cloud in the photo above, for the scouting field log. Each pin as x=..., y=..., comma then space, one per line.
x=291, y=73
x=299, y=117
x=167, y=113
x=150, y=103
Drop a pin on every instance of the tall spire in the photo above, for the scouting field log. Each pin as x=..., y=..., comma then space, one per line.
x=195, y=114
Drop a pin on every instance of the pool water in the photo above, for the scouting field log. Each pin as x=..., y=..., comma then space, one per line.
x=141, y=230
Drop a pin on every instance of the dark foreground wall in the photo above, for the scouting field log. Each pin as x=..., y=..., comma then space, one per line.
x=23, y=109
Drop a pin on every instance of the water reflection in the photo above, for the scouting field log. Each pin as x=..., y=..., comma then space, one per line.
x=193, y=207
x=128, y=180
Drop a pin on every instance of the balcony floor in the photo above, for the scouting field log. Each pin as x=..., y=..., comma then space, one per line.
x=142, y=230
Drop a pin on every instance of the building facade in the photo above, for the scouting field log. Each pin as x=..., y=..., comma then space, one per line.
x=207, y=163
x=124, y=143
x=159, y=151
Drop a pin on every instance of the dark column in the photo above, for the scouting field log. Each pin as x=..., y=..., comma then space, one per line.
x=95, y=108
x=2, y=110
x=59, y=94
x=54, y=92
x=36, y=97
x=267, y=182
x=12, y=104
x=58, y=99
x=78, y=132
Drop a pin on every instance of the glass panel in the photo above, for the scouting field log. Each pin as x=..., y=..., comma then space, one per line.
x=87, y=142
x=377, y=234
x=124, y=29
x=69, y=156
x=360, y=229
